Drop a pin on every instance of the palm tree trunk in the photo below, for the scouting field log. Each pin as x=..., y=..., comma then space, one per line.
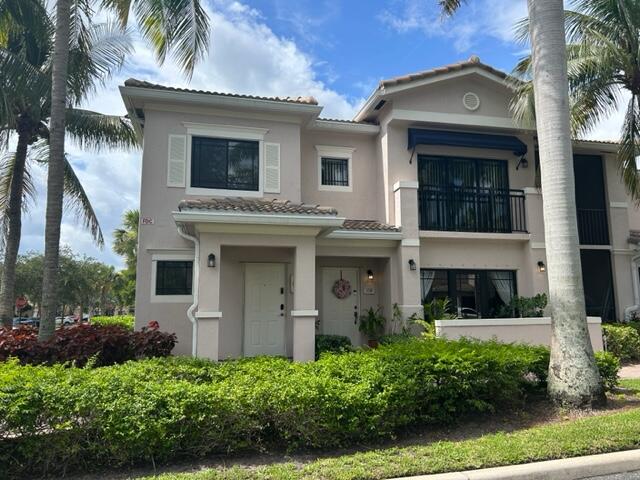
x=55, y=178
x=573, y=375
x=12, y=242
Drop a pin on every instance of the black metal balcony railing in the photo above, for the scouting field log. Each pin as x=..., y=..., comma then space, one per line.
x=463, y=209
x=592, y=226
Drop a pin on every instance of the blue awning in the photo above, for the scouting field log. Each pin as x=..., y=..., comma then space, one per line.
x=419, y=136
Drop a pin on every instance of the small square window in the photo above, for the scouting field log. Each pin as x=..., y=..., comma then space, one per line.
x=335, y=172
x=174, y=277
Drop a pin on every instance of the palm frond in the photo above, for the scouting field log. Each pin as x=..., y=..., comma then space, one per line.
x=449, y=7
x=77, y=201
x=178, y=27
x=121, y=9
x=7, y=162
x=96, y=131
x=630, y=149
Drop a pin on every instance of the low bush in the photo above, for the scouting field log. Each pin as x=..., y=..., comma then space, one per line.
x=126, y=321
x=391, y=338
x=80, y=344
x=622, y=340
x=56, y=420
x=332, y=343
x=609, y=366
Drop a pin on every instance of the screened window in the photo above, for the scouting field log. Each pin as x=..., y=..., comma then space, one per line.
x=225, y=164
x=473, y=293
x=335, y=171
x=173, y=277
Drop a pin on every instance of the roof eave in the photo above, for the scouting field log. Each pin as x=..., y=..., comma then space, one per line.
x=251, y=218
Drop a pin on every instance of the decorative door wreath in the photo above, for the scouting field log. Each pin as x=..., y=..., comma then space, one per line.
x=342, y=288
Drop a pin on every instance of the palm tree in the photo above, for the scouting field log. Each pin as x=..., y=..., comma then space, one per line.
x=603, y=58
x=573, y=375
x=125, y=239
x=179, y=27
x=26, y=49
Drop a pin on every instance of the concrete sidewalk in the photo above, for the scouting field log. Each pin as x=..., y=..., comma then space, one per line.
x=630, y=371
x=564, y=469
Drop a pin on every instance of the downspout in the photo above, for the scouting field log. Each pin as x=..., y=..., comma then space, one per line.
x=196, y=276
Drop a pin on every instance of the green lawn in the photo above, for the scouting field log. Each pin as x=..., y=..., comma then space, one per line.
x=590, y=435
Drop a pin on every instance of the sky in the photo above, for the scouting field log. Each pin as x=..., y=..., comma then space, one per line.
x=334, y=50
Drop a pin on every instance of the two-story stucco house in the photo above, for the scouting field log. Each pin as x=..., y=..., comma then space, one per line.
x=264, y=224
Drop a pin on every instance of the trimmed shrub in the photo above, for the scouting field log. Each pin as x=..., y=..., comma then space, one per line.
x=609, y=366
x=622, y=340
x=57, y=419
x=390, y=338
x=332, y=343
x=80, y=344
x=126, y=321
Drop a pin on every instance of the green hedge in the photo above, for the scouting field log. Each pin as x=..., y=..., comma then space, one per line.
x=59, y=419
x=126, y=321
x=622, y=340
x=332, y=343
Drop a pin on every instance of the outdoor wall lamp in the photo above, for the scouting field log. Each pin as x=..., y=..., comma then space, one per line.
x=542, y=267
x=370, y=274
x=524, y=163
x=412, y=264
x=211, y=260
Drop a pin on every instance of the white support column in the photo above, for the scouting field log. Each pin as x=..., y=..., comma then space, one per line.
x=208, y=315
x=304, y=311
x=408, y=256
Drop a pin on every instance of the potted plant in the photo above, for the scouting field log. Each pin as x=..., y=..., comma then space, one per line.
x=372, y=325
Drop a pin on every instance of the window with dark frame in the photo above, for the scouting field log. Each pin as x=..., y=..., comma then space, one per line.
x=225, y=164
x=174, y=277
x=473, y=293
x=335, y=171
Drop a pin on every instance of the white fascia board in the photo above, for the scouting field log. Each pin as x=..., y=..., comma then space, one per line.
x=131, y=111
x=365, y=235
x=218, y=100
x=258, y=218
x=345, y=127
x=469, y=120
x=502, y=322
x=602, y=147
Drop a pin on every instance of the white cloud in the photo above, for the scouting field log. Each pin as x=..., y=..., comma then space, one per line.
x=479, y=18
x=246, y=56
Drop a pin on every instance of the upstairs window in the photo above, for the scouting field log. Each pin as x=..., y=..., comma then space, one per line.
x=174, y=277
x=335, y=168
x=225, y=164
x=335, y=172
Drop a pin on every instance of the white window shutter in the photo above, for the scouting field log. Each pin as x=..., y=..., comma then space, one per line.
x=177, y=161
x=272, y=168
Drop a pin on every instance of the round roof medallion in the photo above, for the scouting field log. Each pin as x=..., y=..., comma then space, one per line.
x=471, y=101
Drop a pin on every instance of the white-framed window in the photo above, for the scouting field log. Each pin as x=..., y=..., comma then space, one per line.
x=226, y=160
x=172, y=278
x=335, y=168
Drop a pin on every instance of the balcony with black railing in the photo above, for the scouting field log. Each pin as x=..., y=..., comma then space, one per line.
x=464, y=209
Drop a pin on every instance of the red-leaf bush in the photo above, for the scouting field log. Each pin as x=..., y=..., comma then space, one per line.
x=105, y=344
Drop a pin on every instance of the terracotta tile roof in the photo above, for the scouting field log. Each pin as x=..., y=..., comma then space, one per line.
x=606, y=142
x=634, y=237
x=132, y=82
x=368, y=225
x=251, y=205
x=473, y=61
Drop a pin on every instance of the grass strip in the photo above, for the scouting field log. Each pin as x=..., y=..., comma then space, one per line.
x=585, y=436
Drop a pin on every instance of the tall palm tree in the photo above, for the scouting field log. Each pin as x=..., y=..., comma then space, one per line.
x=26, y=47
x=125, y=239
x=178, y=27
x=573, y=375
x=603, y=58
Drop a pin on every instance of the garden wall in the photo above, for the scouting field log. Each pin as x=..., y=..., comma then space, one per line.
x=534, y=331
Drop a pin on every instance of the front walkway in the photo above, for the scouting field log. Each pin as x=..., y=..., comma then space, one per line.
x=630, y=371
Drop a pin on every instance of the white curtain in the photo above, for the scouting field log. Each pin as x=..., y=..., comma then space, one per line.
x=502, y=283
x=427, y=281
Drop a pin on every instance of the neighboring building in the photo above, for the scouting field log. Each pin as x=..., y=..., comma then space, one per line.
x=253, y=208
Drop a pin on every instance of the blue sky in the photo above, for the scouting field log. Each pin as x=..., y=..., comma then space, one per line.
x=334, y=50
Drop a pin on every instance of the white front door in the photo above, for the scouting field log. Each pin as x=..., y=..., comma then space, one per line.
x=339, y=316
x=264, y=309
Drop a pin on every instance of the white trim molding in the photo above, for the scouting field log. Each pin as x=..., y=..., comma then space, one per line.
x=304, y=313
x=345, y=153
x=258, y=218
x=618, y=205
x=178, y=257
x=410, y=242
x=208, y=315
x=515, y=237
x=365, y=235
x=532, y=191
x=234, y=132
x=501, y=322
x=405, y=184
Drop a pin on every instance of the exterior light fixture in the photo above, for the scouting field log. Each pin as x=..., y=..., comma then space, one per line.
x=524, y=163
x=542, y=267
x=370, y=274
x=211, y=260
x=412, y=264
